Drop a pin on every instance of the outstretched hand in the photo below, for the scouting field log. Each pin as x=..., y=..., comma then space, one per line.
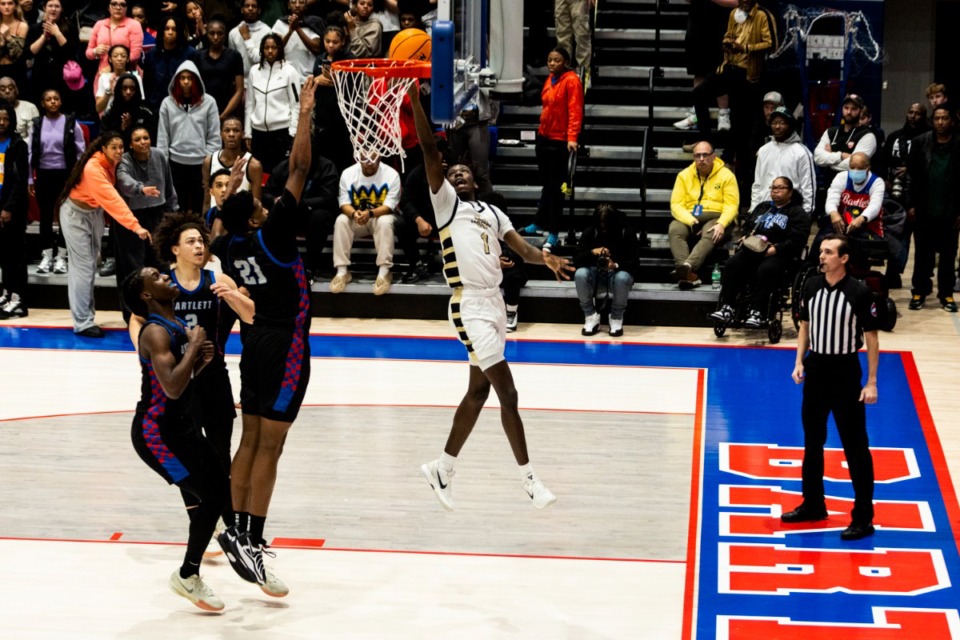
x=307, y=94
x=237, y=174
x=561, y=267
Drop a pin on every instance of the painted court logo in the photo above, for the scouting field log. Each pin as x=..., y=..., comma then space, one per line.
x=761, y=578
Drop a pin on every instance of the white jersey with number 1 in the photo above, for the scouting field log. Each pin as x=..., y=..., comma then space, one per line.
x=470, y=232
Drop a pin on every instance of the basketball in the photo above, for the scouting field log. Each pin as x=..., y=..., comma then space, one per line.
x=411, y=44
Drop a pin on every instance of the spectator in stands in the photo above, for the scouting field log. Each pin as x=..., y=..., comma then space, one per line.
x=188, y=132
x=117, y=28
x=55, y=142
x=572, y=22
x=410, y=14
x=470, y=138
x=138, y=13
x=369, y=195
x=317, y=208
x=866, y=120
x=606, y=260
x=784, y=156
x=246, y=36
x=838, y=143
x=775, y=234
x=301, y=37
x=231, y=134
x=704, y=203
x=52, y=42
x=936, y=95
x=748, y=39
x=273, y=104
x=706, y=24
x=221, y=70
x=13, y=215
x=31, y=12
x=365, y=33
x=387, y=14
x=128, y=109
x=896, y=150
x=329, y=128
x=146, y=184
x=557, y=137
x=161, y=64
x=119, y=60
x=933, y=205
x=760, y=134
x=854, y=204
x=27, y=112
x=13, y=42
x=196, y=25
x=88, y=192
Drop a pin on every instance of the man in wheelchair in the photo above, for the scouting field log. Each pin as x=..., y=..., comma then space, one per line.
x=774, y=237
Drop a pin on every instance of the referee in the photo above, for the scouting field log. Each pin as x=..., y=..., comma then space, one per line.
x=837, y=312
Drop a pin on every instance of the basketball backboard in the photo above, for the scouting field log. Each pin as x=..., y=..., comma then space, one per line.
x=464, y=32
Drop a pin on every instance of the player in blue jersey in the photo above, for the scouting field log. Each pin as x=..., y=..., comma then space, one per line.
x=164, y=432
x=260, y=252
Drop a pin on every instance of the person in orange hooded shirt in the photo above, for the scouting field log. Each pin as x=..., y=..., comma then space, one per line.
x=560, y=123
x=88, y=192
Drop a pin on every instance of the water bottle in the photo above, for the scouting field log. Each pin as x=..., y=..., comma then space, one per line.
x=715, y=276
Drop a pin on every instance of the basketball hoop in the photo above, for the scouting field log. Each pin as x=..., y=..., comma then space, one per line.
x=370, y=92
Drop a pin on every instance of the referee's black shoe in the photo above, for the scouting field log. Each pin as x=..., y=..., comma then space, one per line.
x=804, y=513
x=857, y=530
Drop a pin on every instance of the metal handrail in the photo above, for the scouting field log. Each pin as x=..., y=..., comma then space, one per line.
x=655, y=73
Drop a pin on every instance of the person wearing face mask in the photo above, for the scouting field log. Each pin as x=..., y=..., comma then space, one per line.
x=854, y=204
x=750, y=35
x=786, y=156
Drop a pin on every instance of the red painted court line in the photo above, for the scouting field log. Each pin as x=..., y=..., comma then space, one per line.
x=68, y=415
x=116, y=536
x=693, y=533
x=933, y=443
x=307, y=543
x=313, y=547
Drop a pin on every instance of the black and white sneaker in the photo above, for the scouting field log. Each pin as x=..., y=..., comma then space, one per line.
x=14, y=308
x=511, y=321
x=254, y=554
x=754, y=319
x=236, y=547
x=723, y=314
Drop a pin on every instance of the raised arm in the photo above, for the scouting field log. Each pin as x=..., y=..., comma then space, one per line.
x=300, y=152
x=227, y=290
x=560, y=266
x=433, y=164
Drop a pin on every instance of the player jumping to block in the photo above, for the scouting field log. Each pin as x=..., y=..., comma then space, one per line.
x=470, y=232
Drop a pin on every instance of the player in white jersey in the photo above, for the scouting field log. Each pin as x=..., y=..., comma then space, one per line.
x=469, y=236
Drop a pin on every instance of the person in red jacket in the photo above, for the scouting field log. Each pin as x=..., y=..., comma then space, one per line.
x=560, y=123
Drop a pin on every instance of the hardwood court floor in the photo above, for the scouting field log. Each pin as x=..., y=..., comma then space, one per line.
x=609, y=559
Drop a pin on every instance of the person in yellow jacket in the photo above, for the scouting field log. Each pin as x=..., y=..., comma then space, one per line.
x=704, y=203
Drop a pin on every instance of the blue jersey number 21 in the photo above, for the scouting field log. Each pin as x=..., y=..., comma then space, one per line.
x=250, y=271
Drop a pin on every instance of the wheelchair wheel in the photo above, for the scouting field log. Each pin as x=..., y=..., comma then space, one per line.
x=775, y=330
x=719, y=329
x=796, y=292
x=890, y=321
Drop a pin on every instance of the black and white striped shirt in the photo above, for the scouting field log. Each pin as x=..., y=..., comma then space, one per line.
x=838, y=315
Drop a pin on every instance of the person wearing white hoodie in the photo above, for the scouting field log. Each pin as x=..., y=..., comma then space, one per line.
x=784, y=155
x=188, y=132
x=273, y=104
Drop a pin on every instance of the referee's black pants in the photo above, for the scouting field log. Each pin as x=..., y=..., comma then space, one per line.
x=832, y=384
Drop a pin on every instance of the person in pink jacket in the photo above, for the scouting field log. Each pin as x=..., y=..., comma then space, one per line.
x=115, y=29
x=560, y=122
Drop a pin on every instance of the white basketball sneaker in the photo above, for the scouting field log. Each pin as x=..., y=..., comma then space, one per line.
x=274, y=586
x=688, y=122
x=196, y=591
x=440, y=481
x=541, y=496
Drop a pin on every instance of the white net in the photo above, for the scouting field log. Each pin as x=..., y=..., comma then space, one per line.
x=370, y=100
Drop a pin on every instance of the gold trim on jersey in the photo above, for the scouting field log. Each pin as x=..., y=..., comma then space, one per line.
x=455, y=299
x=450, y=267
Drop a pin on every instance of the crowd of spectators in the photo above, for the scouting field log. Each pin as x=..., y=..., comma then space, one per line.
x=191, y=88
